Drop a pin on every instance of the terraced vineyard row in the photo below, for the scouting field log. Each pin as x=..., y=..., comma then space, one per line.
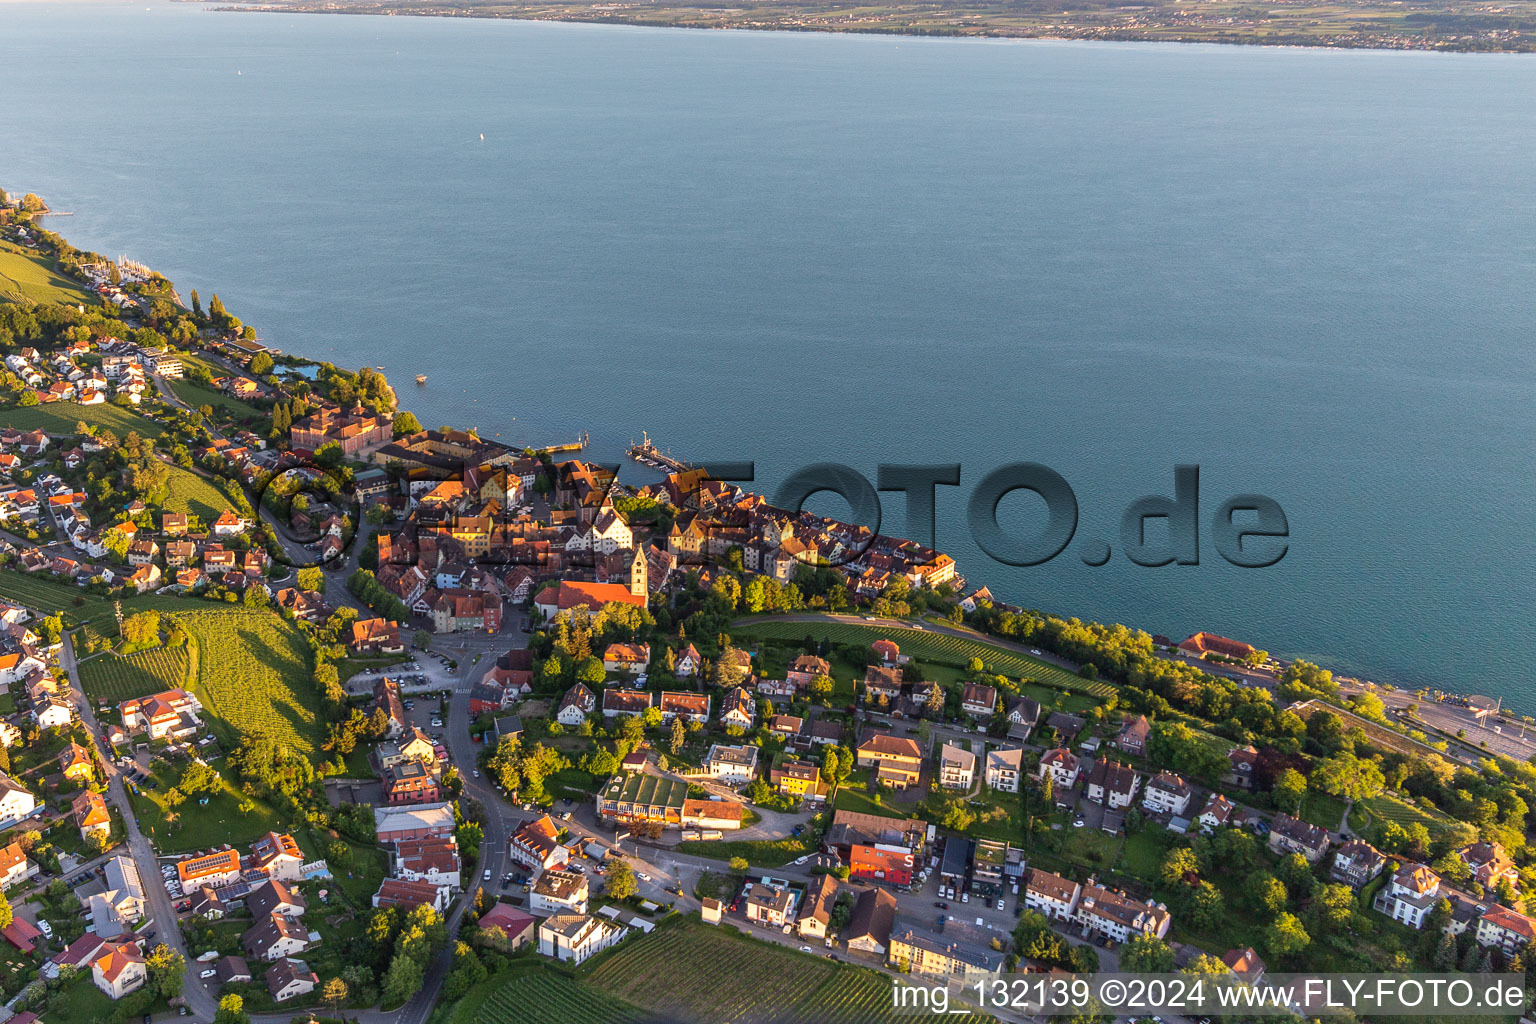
x=859, y=996
x=697, y=973
x=109, y=677
x=942, y=648
x=545, y=996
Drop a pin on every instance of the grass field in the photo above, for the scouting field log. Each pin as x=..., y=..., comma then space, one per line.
x=111, y=678
x=695, y=973
x=61, y=417
x=48, y=595
x=195, y=826
x=28, y=278
x=936, y=648
x=253, y=675
x=225, y=407
x=193, y=494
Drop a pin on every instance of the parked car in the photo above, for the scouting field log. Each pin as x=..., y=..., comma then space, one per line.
x=209, y=973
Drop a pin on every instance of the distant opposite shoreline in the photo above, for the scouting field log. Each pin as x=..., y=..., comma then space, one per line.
x=1434, y=26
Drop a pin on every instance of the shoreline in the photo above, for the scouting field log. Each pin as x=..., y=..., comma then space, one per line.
x=1387, y=43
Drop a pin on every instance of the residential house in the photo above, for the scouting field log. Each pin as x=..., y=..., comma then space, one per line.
x=288, y=979
x=1051, y=895
x=559, y=892
x=870, y=924
x=806, y=667
x=1004, y=766
x=739, y=708
x=1504, y=929
x=409, y=782
x=1133, y=735
x=91, y=815
x=536, y=844
x=957, y=767
x=172, y=713
x=737, y=765
x=1241, y=763
x=1167, y=793
x=712, y=814
x=275, y=936
x=572, y=938
x=690, y=707
x=882, y=686
x=769, y=906
x=1112, y=913
x=276, y=855
x=897, y=760
x=375, y=636
x=1356, y=863
x=507, y=927
x=979, y=700
x=944, y=954
x=1023, y=716
x=1201, y=644
x=569, y=596
x=397, y=892
x=386, y=695
x=1291, y=835
x=206, y=903
x=688, y=663
x=1216, y=814
x=273, y=897
x=625, y=702
x=1244, y=962
x=797, y=778
x=118, y=969
x=14, y=866
x=1490, y=864
x=76, y=763
x=628, y=658
x=1411, y=895
x=815, y=915
x=16, y=801
x=432, y=860
x=1112, y=784
x=576, y=705
x=1062, y=766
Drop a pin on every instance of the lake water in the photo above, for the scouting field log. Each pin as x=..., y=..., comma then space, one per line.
x=1310, y=272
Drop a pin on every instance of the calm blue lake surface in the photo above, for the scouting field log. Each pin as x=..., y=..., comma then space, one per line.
x=1310, y=272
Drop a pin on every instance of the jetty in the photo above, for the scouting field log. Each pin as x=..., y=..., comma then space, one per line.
x=573, y=446
x=646, y=453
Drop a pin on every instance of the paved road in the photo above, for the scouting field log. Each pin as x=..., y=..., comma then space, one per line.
x=160, y=911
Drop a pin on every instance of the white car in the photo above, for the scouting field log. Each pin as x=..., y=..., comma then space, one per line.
x=437, y=723
x=209, y=973
x=1000, y=903
x=965, y=897
x=477, y=773
x=486, y=877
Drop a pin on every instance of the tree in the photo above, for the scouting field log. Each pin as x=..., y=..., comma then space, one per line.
x=1146, y=954
x=261, y=364
x=406, y=423
x=1289, y=789
x=679, y=736
x=422, y=639
x=821, y=687
x=143, y=628
x=167, y=970
x=620, y=882
x=1345, y=775
x=1206, y=905
x=311, y=578
x=231, y=1011
x=6, y=913
x=739, y=864
x=1266, y=893
x=1177, y=863
x=334, y=993
x=1286, y=936
x=651, y=717
x=199, y=777
x=1332, y=906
